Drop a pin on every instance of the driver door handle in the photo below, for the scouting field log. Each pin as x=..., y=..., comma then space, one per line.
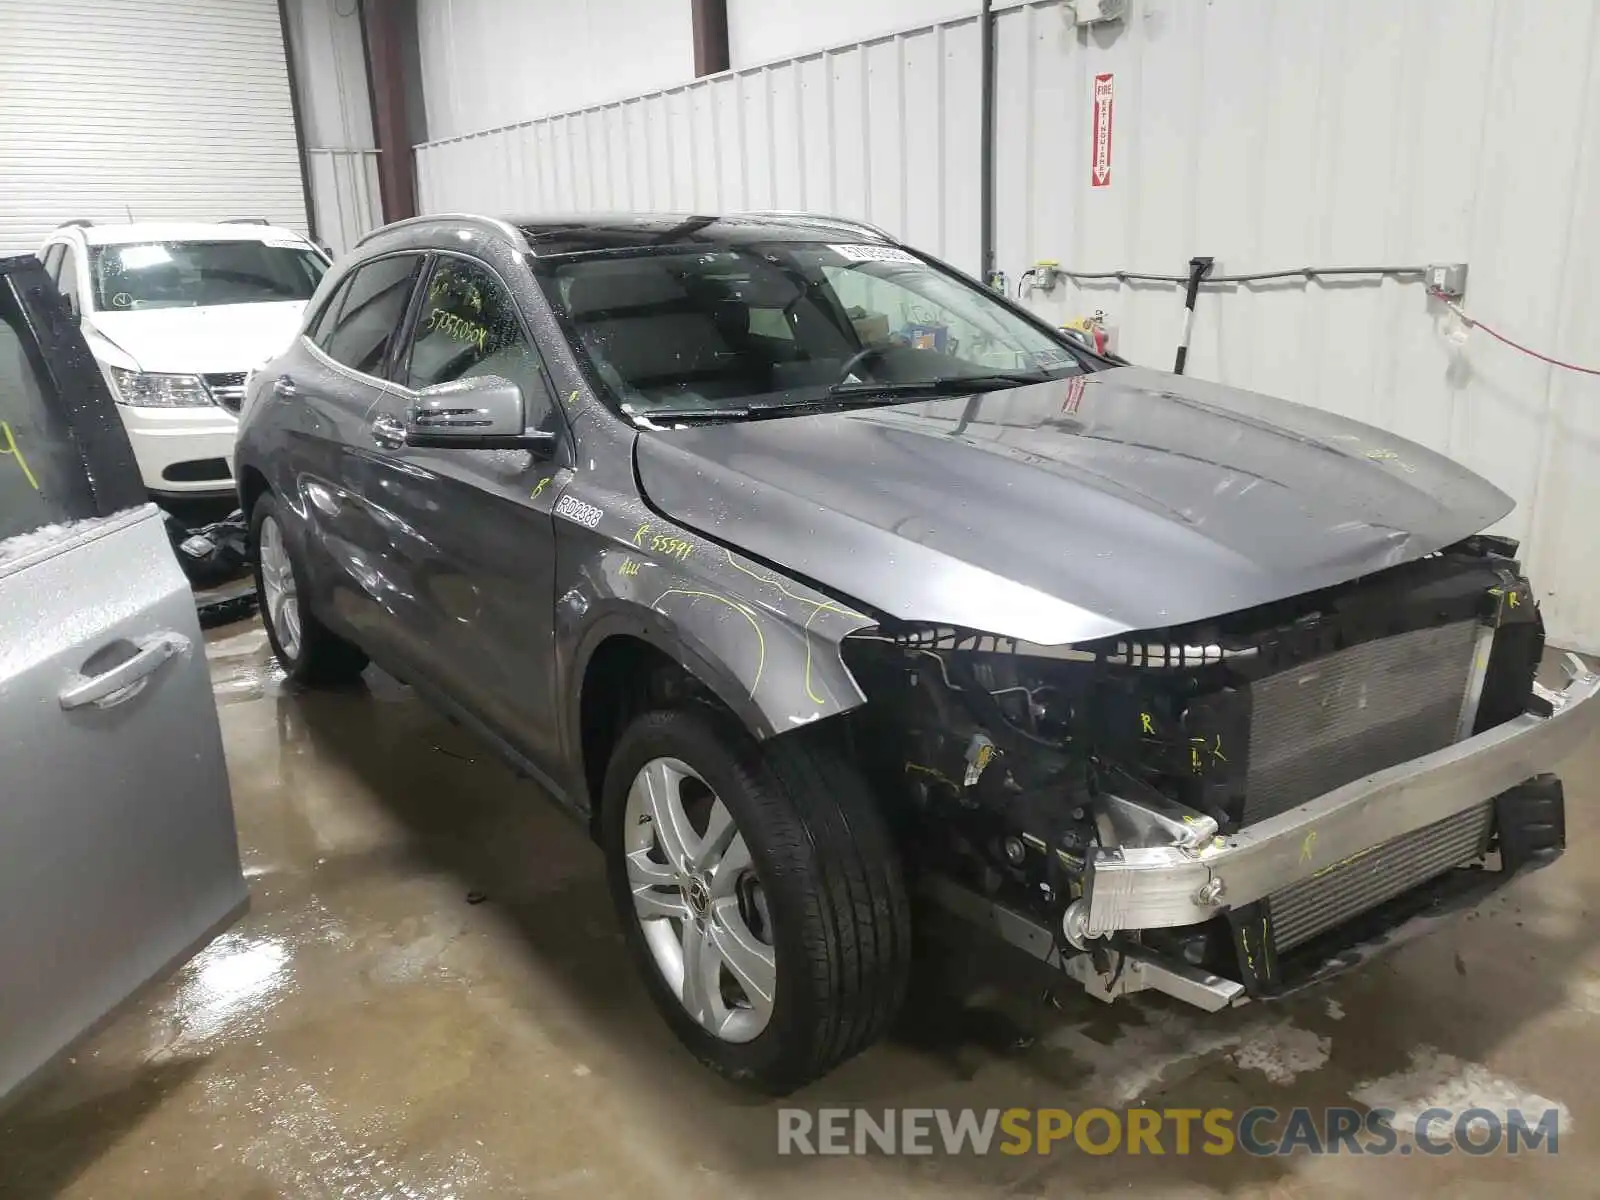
x=127, y=678
x=388, y=431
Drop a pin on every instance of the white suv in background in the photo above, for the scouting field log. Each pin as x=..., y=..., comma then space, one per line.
x=176, y=315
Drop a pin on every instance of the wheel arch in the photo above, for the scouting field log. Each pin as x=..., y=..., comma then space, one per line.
x=620, y=662
x=252, y=483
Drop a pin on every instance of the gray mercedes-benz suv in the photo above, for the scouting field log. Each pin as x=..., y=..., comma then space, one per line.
x=810, y=573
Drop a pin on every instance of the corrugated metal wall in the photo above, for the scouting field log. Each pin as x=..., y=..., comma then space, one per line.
x=344, y=190
x=1267, y=133
x=336, y=119
x=763, y=31
x=886, y=129
x=490, y=62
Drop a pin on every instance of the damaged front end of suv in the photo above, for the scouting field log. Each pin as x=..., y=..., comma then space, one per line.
x=1238, y=806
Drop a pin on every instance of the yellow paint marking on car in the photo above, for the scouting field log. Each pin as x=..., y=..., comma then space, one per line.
x=670, y=546
x=918, y=769
x=824, y=605
x=1308, y=847
x=458, y=328
x=744, y=612
x=10, y=447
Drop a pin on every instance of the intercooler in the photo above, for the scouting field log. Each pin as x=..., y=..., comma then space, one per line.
x=1333, y=720
x=1337, y=893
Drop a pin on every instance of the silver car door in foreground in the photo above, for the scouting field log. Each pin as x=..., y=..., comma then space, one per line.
x=118, y=858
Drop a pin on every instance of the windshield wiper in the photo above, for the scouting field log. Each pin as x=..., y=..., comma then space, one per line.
x=734, y=413
x=848, y=395
x=952, y=385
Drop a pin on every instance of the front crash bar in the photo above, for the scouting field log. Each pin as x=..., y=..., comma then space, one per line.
x=1149, y=888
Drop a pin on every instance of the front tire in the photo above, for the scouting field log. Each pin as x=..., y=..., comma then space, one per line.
x=759, y=891
x=308, y=650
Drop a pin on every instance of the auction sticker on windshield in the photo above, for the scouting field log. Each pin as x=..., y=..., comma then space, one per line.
x=858, y=252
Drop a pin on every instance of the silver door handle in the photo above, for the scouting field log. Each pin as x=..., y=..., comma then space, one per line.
x=387, y=431
x=284, y=385
x=127, y=678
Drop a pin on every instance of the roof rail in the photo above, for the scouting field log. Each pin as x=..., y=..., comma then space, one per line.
x=244, y=221
x=79, y=222
x=484, y=224
x=848, y=223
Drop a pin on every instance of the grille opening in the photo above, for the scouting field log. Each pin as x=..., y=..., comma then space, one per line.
x=198, y=470
x=227, y=389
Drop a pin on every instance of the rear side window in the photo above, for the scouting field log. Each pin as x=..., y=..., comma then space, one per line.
x=42, y=476
x=327, y=316
x=52, y=259
x=370, y=311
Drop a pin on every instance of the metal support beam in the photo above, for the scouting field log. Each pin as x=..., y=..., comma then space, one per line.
x=710, y=19
x=383, y=37
x=986, y=133
x=297, y=113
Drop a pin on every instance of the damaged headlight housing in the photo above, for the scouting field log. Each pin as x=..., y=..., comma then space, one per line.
x=1032, y=757
x=142, y=389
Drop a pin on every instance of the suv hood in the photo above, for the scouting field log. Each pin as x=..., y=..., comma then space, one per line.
x=1064, y=511
x=194, y=341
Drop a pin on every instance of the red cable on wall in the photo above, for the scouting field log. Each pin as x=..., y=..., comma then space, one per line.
x=1474, y=323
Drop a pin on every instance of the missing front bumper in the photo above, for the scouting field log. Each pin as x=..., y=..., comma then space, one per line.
x=1529, y=823
x=1530, y=820
x=1162, y=887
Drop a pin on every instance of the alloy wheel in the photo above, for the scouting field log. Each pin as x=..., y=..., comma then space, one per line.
x=698, y=900
x=281, y=600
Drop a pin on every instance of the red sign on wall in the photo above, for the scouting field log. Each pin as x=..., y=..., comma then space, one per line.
x=1100, y=166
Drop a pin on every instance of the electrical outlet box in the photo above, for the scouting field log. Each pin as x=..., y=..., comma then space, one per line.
x=1093, y=12
x=1046, y=275
x=1448, y=279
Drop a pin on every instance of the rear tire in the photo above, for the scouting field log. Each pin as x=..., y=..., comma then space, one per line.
x=308, y=650
x=812, y=909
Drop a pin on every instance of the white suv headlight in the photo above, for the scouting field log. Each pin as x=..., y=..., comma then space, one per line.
x=159, y=391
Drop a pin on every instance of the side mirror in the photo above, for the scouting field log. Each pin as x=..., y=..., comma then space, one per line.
x=483, y=412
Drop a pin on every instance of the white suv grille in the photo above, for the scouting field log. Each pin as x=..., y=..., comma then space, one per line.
x=227, y=389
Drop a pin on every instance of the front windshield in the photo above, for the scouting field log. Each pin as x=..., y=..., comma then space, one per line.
x=191, y=274
x=779, y=324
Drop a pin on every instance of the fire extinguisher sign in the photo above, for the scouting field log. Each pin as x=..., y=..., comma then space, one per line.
x=1100, y=168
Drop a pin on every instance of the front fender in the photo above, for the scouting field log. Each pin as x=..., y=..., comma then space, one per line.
x=768, y=646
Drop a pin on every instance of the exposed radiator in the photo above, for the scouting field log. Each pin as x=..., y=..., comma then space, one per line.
x=1318, y=726
x=1363, y=881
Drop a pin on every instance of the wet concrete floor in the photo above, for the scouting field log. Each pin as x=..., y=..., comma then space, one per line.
x=368, y=1031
